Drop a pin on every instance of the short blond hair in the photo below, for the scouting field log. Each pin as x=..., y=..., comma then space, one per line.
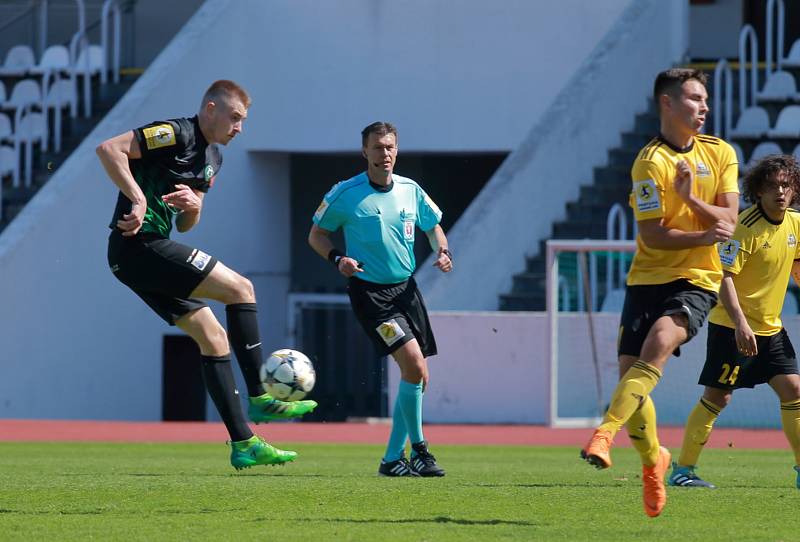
x=226, y=88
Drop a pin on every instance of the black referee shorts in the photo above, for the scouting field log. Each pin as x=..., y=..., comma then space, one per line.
x=162, y=272
x=728, y=369
x=644, y=304
x=392, y=314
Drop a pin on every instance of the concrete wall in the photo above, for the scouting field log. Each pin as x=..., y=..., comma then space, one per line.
x=492, y=368
x=517, y=207
x=714, y=29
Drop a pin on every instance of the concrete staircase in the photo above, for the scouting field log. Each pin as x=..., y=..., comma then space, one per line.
x=586, y=217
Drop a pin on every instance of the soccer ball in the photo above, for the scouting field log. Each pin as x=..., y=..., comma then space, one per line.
x=287, y=375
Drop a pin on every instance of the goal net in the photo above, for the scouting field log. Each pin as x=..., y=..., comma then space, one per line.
x=585, y=281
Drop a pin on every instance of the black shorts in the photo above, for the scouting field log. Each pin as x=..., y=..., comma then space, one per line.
x=392, y=314
x=728, y=369
x=162, y=272
x=645, y=304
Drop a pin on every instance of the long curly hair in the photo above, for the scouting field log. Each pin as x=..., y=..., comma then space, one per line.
x=766, y=170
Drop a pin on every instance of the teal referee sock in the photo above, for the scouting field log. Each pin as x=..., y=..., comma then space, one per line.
x=409, y=397
x=397, y=439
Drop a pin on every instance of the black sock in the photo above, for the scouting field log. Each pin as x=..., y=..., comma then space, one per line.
x=221, y=386
x=246, y=343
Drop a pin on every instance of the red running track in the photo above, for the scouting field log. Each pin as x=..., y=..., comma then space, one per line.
x=367, y=433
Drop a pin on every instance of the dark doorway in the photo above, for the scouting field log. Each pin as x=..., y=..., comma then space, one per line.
x=183, y=391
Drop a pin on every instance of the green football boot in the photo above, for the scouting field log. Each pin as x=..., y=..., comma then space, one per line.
x=265, y=408
x=256, y=451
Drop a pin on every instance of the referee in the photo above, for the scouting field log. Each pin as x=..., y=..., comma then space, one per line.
x=379, y=212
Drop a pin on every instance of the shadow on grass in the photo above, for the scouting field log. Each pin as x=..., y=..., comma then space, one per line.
x=438, y=519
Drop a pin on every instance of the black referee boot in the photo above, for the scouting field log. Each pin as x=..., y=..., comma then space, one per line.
x=423, y=462
x=399, y=467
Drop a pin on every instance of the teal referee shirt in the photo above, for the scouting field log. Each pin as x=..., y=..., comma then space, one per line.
x=379, y=224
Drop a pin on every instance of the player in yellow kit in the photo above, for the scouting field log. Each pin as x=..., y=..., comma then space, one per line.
x=685, y=200
x=747, y=344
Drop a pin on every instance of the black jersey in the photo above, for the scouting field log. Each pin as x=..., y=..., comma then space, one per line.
x=173, y=152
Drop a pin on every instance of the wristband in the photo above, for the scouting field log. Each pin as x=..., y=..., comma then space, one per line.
x=334, y=256
x=447, y=253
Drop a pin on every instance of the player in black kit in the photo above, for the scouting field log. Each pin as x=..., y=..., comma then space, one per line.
x=163, y=171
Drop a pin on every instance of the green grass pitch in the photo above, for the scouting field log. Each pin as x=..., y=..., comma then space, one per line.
x=85, y=491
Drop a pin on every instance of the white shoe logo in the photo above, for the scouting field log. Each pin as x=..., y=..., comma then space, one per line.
x=251, y=346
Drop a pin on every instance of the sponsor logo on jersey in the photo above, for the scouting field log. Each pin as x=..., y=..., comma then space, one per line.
x=162, y=135
x=766, y=245
x=208, y=172
x=199, y=259
x=647, y=196
x=702, y=170
x=727, y=251
x=390, y=332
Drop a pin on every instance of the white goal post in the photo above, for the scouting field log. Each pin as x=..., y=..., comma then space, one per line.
x=581, y=247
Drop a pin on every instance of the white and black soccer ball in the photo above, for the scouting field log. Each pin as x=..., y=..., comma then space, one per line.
x=287, y=375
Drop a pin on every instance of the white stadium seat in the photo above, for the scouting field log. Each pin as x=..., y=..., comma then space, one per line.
x=788, y=123
x=752, y=123
x=779, y=87
x=792, y=60
x=763, y=149
x=54, y=58
x=95, y=58
x=19, y=60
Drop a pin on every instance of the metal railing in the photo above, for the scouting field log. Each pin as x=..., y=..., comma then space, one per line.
x=723, y=116
x=747, y=36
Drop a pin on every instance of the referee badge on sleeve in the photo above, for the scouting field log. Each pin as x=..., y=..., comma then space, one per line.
x=728, y=251
x=320, y=212
x=390, y=332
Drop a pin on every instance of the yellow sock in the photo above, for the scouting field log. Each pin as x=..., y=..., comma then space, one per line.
x=642, y=431
x=698, y=428
x=634, y=386
x=790, y=418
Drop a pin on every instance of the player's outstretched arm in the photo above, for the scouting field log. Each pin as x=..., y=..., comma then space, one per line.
x=114, y=154
x=438, y=242
x=745, y=338
x=656, y=235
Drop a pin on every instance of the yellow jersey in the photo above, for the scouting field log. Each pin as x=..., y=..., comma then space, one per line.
x=653, y=196
x=760, y=255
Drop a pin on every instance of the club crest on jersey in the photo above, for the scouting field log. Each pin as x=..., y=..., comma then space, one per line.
x=727, y=251
x=647, y=195
x=390, y=332
x=791, y=240
x=702, y=170
x=162, y=135
x=408, y=230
